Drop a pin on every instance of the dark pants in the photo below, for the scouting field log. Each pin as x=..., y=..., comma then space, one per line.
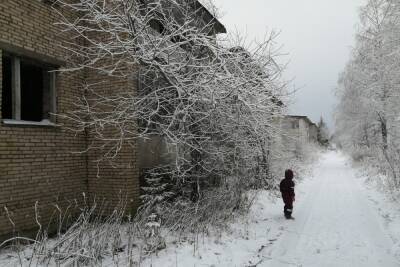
x=288, y=209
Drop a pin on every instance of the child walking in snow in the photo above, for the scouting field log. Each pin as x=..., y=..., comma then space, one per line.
x=287, y=189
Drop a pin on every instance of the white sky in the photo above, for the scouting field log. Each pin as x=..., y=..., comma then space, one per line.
x=317, y=35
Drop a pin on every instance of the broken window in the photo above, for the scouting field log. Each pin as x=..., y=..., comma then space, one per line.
x=28, y=89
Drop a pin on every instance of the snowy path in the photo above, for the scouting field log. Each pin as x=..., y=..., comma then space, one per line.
x=335, y=224
x=339, y=222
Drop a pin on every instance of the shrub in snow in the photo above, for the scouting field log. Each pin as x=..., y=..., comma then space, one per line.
x=153, y=239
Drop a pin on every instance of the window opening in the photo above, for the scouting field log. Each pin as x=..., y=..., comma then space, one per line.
x=28, y=89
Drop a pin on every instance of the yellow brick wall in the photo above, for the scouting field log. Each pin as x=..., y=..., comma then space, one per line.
x=116, y=179
x=37, y=163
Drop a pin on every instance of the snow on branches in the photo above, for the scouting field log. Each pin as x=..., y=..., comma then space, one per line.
x=368, y=111
x=213, y=104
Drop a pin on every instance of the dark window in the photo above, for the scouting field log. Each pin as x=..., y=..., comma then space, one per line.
x=157, y=25
x=28, y=89
x=31, y=92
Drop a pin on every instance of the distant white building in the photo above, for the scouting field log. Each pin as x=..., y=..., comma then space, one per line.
x=295, y=132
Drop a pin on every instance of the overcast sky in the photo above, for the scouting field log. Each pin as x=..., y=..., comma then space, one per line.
x=317, y=35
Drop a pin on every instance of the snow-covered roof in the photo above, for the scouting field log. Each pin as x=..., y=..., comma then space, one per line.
x=208, y=17
x=301, y=117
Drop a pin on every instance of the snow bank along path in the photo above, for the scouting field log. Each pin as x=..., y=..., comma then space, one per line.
x=335, y=224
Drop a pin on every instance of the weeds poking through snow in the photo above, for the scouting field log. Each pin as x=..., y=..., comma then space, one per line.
x=88, y=241
x=152, y=238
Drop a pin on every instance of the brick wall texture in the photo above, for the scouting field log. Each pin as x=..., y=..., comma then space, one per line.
x=38, y=163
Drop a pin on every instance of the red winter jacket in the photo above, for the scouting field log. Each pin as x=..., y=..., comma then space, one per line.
x=287, y=189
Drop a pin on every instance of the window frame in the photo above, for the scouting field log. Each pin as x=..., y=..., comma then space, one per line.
x=16, y=108
x=295, y=124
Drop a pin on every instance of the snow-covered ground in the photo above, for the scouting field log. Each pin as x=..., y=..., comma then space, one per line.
x=339, y=222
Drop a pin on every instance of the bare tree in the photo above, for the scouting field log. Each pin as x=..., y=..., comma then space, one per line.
x=213, y=104
x=367, y=115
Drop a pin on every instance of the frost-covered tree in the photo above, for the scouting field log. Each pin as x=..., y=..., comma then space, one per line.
x=323, y=133
x=367, y=115
x=213, y=101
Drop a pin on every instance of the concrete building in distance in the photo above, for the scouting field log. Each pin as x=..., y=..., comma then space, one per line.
x=296, y=131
